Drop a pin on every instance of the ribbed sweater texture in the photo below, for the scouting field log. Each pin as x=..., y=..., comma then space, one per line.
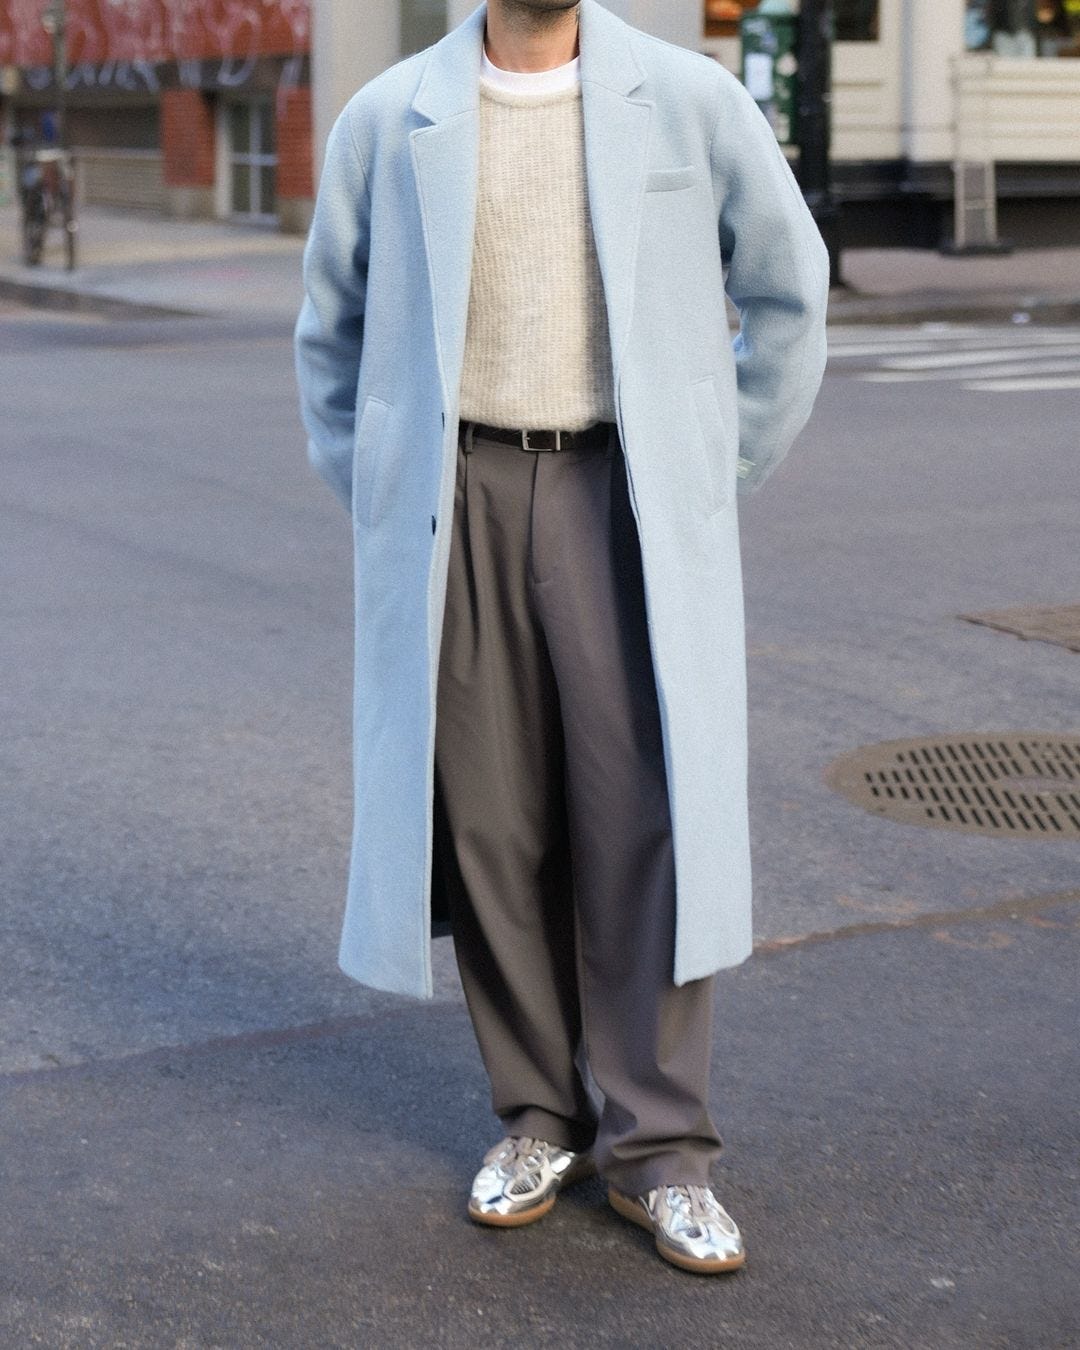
x=537, y=351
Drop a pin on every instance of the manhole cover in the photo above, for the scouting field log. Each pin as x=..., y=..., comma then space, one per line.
x=1023, y=783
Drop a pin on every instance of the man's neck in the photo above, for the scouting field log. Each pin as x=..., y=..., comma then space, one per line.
x=517, y=38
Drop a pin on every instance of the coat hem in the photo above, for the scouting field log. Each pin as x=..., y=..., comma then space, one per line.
x=728, y=962
x=383, y=984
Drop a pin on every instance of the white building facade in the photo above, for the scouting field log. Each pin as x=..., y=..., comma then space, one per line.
x=917, y=85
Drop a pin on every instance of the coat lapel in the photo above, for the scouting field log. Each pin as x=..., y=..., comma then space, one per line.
x=616, y=143
x=445, y=163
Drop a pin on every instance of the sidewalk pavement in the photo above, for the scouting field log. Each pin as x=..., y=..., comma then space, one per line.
x=136, y=260
x=883, y=285
x=132, y=263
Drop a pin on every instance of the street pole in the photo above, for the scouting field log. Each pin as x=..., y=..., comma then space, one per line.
x=815, y=121
x=54, y=21
x=351, y=43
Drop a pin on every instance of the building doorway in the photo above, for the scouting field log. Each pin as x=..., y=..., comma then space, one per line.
x=252, y=160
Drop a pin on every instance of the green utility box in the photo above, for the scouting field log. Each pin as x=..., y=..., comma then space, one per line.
x=770, y=67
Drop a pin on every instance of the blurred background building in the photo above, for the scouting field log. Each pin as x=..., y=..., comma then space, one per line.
x=192, y=107
x=210, y=107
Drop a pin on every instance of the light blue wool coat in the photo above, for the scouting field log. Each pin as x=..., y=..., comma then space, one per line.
x=686, y=186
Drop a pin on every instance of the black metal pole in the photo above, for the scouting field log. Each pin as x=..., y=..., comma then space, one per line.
x=61, y=75
x=815, y=123
x=54, y=19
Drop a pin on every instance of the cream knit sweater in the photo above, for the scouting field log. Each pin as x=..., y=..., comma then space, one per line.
x=537, y=352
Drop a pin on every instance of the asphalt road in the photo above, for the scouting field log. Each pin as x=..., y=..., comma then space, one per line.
x=209, y=1137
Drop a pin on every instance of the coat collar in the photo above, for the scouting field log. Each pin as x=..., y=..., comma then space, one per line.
x=451, y=80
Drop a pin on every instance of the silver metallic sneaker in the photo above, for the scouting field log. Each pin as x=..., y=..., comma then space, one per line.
x=521, y=1178
x=692, y=1228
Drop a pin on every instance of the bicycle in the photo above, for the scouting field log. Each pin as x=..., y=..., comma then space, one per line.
x=47, y=192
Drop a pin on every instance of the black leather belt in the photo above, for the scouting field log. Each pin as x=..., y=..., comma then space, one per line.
x=593, y=437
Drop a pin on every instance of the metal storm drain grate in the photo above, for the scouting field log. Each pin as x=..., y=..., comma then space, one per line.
x=1045, y=623
x=1022, y=784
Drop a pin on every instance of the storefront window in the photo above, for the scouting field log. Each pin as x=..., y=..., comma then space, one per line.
x=1023, y=28
x=722, y=16
x=856, y=20
x=853, y=20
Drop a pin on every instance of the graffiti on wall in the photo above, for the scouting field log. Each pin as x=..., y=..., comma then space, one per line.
x=118, y=44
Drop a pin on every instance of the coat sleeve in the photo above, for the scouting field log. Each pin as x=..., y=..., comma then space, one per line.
x=778, y=279
x=329, y=333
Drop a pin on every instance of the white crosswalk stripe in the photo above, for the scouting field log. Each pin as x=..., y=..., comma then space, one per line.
x=1029, y=385
x=985, y=359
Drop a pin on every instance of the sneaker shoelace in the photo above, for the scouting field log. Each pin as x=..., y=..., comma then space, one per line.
x=696, y=1207
x=524, y=1159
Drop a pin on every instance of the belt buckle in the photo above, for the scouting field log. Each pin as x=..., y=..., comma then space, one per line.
x=538, y=448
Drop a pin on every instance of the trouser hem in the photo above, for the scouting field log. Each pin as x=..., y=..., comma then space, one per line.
x=663, y=1169
x=540, y=1124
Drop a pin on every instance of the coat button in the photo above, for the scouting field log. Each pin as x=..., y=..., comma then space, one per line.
x=444, y=419
x=432, y=524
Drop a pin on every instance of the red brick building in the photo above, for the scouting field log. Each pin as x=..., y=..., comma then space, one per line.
x=195, y=107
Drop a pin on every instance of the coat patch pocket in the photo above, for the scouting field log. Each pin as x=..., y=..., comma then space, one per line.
x=668, y=180
x=369, y=445
x=718, y=466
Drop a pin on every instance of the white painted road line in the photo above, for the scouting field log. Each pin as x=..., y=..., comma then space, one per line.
x=923, y=332
x=1035, y=366
x=899, y=346
x=1022, y=386
x=839, y=351
x=970, y=358
x=988, y=358
x=904, y=347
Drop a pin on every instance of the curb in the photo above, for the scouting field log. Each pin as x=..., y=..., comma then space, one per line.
x=68, y=300
x=1000, y=308
x=844, y=307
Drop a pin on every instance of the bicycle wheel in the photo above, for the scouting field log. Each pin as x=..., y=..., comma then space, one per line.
x=33, y=238
x=70, y=224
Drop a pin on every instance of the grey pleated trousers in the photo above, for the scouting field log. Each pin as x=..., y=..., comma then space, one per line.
x=552, y=819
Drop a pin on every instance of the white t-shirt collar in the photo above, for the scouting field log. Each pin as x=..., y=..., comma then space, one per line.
x=531, y=81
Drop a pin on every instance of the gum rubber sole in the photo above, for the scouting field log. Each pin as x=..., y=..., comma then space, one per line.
x=515, y=1220
x=630, y=1209
x=577, y=1171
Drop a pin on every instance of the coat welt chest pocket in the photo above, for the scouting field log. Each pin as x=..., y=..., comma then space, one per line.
x=670, y=180
x=370, y=434
x=718, y=468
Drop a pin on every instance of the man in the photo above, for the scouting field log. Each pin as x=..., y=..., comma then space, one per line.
x=516, y=374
